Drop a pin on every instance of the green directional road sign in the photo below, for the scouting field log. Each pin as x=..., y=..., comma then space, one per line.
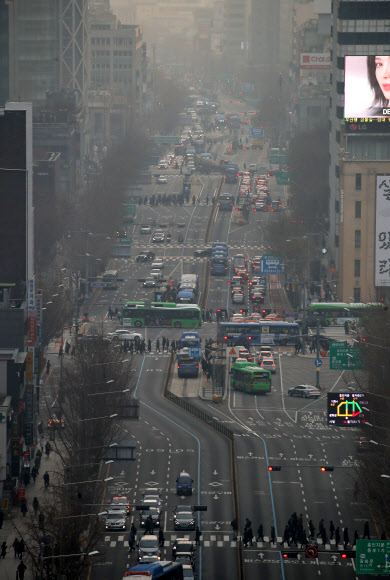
x=373, y=557
x=345, y=357
x=166, y=139
x=278, y=160
x=282, y=178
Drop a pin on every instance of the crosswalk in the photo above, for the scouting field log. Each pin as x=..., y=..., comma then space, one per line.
x=210, y=540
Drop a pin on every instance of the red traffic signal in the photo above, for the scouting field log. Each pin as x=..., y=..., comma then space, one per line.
x=290, y=554
x=274, y=467
x=348, y=554
x=327, y=468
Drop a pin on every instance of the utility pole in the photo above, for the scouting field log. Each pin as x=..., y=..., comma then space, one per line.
x=318, y=354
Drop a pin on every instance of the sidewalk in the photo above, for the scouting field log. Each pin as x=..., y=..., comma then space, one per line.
x=8, y=533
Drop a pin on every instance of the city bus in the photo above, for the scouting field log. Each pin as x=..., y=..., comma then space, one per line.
x=164, y=570
x=187, y=365
x=231, y=173
x=258, y=333
x=337, y=313
x=179, y=150
x=168, y=314
x=247, y=377
x=225, y=202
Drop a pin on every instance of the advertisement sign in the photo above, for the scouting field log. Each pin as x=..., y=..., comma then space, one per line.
x=346, y=409
x=382, y=234
x=366, y=87
x=315, y=60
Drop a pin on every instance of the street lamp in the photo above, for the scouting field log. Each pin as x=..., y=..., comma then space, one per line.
x=108, y=393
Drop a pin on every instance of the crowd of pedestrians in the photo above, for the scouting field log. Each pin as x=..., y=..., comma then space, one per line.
x=295, y=533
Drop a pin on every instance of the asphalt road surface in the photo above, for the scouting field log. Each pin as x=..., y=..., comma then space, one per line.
x=271, y=430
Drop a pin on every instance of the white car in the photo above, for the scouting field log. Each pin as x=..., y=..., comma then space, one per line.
x=161, y=179
x=158, y=263
x=163, y=165
x=156, y=274
x=146, y=229
x=124, y=335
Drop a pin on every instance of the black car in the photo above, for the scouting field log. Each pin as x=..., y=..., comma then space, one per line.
x=183, y=546
x=203, y=252
x=145, y=256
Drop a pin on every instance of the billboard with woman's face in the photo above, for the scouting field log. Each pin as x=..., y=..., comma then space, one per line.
x=367, y=87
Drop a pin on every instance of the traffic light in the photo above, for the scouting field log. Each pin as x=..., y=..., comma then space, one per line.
x=274, y=467
x=290, y=555
x=348, y=554
x=327, y=468
x=200, y=508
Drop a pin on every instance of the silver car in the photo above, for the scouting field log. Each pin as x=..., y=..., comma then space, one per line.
x=183, y=518
x=306, y=391
x=116, y=520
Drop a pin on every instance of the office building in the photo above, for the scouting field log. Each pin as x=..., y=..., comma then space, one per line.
x=359, y=151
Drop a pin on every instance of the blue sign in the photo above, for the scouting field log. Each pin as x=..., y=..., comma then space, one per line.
x=318, y=362
x=98, y=284
x=195, y=351
x=272, y=266
x=257, y=133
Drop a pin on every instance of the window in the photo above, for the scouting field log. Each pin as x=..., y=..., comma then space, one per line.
x=357, y=268
x=358, y=238
x=337, y=171
x=358, y=209
x=358, y=181
x=336, y=240
x=356, y=294
x=338, y=136
x=337, y=206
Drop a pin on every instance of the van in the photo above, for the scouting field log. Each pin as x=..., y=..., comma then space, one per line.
x=184, y=483
x=148, y=546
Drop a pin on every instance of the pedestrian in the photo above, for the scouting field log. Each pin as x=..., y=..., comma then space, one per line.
x=355, y=537
x=67, y=347
x=21, y=548
x=60, y=351
x=41, y=521
x=34, y=472
x=37, y=463
x=337, y=536
x=286, y=536
x=273, y=537
x=46, y=479
x=3, y=549
x=366, y=531
x=48, y=367
x=164, y=340
x=42, y=442
x=383, y=536
x=15, y=546
x=294, y=536
x=321, y=526
x=23, y=507
x=1, y=518
x=245, y=538
x=149, y=345
x=158, y=345
x=323, y=536
x=250, y=535
x=248, y=524
x=260, y=533
x=300, y=520
x=304, y=539
x=346, y=327
x=198, y=535
x=26, y=477
x=131, y=542
x=346, y=538
x=35, y=505
x=312, y=529
x=167, y=344
x=131, y=347
x=234, y=524
x=47, y=449
x=332, y=528
x=161, y=538
x=21, y=570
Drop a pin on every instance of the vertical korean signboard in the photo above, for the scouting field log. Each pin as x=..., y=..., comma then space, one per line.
x=382, y=235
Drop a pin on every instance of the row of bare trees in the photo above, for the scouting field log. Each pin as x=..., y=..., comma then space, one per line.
x=96, y=383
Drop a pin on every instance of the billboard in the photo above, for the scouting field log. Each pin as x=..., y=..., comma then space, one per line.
x=382, y=234
x=315, y=60
x=366, y=87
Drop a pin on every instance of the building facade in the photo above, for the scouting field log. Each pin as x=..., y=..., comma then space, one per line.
x=358, y=29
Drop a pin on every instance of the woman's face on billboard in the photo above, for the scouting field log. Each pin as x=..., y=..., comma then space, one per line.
x=382, y=73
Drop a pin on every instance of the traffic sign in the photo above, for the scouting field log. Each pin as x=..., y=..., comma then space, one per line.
x=272, y=266
x=282, y=177
x=195, y=351
x=231, y=351
x=166, y=139
x=311, y=552
x=256, y=133
x=318, y=362
x=373, y=557
x=345, y=357
x=98, y=284
x=346, y=409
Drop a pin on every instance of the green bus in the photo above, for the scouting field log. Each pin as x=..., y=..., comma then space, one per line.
x=247, y=377
x=337, y=313
x=169, y=314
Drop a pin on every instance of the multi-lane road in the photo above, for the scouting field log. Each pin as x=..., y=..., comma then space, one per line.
x=272, y=430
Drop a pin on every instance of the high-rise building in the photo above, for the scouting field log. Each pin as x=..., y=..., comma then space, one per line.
x=4, y=53
x=359, y=151
x=236, y=15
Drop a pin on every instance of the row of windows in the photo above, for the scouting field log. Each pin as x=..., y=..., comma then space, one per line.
x=358, y=208
x=364, y=25
x=115, y=41
x=106, y=65
x=369, y=149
